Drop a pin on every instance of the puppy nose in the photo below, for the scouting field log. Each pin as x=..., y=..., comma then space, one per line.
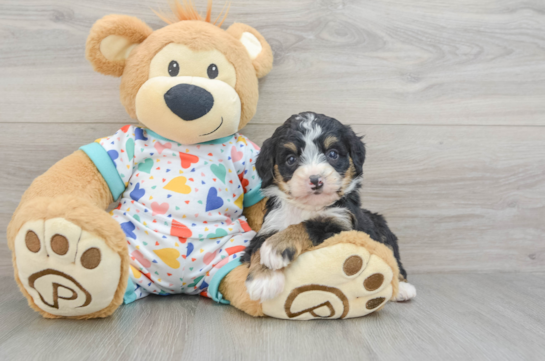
x=189, y=102
x=316, y=182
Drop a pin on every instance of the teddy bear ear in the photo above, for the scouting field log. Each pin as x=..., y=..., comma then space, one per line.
x=111, y=41
x=257, y=47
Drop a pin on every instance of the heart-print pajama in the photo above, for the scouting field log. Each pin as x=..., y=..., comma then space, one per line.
x=180, y=207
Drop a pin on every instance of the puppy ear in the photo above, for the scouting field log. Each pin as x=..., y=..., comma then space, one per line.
x=257, y=47
x=357, y=150
x=111, y=40
x=265, y=162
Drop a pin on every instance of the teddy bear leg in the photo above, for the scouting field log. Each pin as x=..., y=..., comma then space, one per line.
x=348, y=275
x=233, y=289
x=72, y=263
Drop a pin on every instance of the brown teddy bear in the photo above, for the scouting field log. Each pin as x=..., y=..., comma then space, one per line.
x=189, y=196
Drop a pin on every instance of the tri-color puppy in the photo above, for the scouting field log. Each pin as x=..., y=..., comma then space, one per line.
x=311, y=172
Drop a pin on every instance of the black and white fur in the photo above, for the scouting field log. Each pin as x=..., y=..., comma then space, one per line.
x=311, y=172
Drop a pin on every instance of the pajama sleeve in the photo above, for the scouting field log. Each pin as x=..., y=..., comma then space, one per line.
x=245, y=155
x=114, y=157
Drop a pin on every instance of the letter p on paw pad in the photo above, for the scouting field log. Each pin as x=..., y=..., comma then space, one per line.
x=67, y=271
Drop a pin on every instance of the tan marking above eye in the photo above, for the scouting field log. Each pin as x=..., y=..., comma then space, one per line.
x=373, y=282
x=90, y=259
x=352, y=265
x=291, y=146
x=192, y=63
x=59, y=244
x=32, y=242
x=330, y=140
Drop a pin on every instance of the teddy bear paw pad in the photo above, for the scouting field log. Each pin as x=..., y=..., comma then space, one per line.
x=66, y=271
x=341, y=281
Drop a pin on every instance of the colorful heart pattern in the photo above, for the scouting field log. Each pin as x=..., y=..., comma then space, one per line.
x=219, y=171
x=140, y=258
x=178, y=229
x=146, y=165
x=188, y=160
x=178, y=185
x=236, y=155
x=169, y=256
x=159, y=208
x=182, y=207
x=212, y=200
x=160, y=146
x=137, y=193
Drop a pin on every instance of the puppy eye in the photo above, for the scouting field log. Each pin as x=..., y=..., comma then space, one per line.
x=333, y=154
x=212, y=71
x=291, y=160
x=173, y=68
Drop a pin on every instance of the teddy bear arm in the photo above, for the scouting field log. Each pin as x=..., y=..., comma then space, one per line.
x=74, y=175
x=60, y=216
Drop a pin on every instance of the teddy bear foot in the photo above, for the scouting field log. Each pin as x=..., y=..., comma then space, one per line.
x=349, y=275
x=65, y=271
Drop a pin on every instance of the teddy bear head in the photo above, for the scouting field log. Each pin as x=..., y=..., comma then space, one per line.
x=190, y=81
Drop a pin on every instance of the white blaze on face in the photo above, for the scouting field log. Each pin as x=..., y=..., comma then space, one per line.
x=314, y=163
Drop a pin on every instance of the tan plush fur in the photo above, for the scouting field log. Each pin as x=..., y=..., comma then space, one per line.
x=134, y=29
x=233, y=288
x=198, y=36
x=73, y=189
x=264, y=61
x=75, y=174
x=363, y=240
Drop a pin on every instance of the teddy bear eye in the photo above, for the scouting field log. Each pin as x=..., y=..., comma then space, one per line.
x=173, y=68
x=212, y=71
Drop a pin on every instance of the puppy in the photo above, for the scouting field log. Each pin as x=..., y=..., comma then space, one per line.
x=311, y=172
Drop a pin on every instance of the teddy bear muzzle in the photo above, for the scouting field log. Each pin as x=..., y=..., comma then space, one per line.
x=188, y=109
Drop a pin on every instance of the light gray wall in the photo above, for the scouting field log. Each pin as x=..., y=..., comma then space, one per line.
x=449, y=94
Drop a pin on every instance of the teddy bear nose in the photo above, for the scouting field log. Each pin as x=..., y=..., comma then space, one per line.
x=189, y=102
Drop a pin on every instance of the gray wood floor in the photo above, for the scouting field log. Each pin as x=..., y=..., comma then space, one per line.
x=450, y=96
x=455, y=317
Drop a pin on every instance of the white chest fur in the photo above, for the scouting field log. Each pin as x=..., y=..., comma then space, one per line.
x=287, y=214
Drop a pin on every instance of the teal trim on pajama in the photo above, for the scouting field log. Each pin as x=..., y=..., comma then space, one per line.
x=106, y=167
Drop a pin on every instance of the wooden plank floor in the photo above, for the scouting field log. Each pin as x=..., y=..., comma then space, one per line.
x=455, y=317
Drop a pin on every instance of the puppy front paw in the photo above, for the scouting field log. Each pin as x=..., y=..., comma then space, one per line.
x=276, y=256
x=265, y=284
x=406, y=292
